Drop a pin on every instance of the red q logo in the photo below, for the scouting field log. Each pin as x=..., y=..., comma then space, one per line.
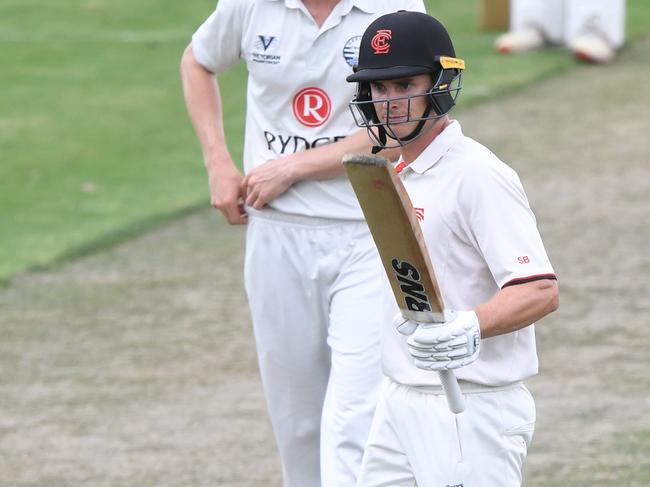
x=380, y=43
x=312, y=107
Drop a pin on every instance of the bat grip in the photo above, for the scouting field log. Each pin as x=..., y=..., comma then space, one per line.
x=452, y=390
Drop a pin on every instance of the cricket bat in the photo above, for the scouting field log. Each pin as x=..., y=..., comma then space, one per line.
x=399, y=240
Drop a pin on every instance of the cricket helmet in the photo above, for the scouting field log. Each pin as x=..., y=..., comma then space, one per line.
x=401, y=45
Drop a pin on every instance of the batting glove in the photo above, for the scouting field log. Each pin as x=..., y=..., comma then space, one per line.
x=436, y=347
x=403, y=325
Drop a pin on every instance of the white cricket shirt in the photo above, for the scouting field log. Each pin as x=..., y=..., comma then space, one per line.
x=482, y=236
x=297, y=94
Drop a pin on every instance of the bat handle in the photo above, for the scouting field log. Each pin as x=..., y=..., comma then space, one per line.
x=452, y=390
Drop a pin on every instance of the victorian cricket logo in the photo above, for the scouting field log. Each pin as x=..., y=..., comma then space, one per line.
x=263, y=51
x=265, y=42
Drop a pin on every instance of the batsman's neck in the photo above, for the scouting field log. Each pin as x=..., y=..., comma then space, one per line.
x=412, y=150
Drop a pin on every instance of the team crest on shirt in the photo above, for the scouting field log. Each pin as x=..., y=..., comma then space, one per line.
x=263, y=50
x=351, y=50
x=419, y=213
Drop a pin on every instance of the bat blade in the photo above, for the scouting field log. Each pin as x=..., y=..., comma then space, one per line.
x=398, y=237
x=394, y=227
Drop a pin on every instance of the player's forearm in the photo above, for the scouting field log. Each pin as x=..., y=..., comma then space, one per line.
x=325, y=162
x=516, y=307
x=204, y=107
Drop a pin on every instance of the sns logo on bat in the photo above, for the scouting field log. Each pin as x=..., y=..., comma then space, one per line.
x=410, y=285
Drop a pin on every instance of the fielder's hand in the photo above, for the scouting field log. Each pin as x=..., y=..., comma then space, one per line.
x=451, y=345
x=267, y=181
x=225, y=192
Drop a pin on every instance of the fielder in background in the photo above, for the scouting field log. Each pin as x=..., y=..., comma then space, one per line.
x=312, y=273
x=491, y=265
x=593, y=30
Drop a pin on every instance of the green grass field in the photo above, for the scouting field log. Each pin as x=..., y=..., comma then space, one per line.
x=94, y=140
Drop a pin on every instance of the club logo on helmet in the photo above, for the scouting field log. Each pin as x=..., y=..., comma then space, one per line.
x=312, y=107
x=381, y=41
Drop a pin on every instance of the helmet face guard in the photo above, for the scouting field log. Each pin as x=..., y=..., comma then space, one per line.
x=440, y=99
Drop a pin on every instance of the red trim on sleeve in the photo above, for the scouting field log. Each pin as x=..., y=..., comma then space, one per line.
x=523, y=280
x=400, y=167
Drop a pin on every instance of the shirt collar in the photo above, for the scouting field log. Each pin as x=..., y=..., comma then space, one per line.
x=436, y=149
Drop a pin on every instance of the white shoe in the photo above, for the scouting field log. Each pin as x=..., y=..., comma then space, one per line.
x=519, y=41
x=592, y=48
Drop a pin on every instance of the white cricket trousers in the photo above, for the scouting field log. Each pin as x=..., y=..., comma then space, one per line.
x=416, y=441
x=313, y=288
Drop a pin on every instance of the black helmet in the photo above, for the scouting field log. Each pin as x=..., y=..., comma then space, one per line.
x=400, y=45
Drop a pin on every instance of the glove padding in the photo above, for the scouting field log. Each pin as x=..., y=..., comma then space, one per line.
x=447, y=346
